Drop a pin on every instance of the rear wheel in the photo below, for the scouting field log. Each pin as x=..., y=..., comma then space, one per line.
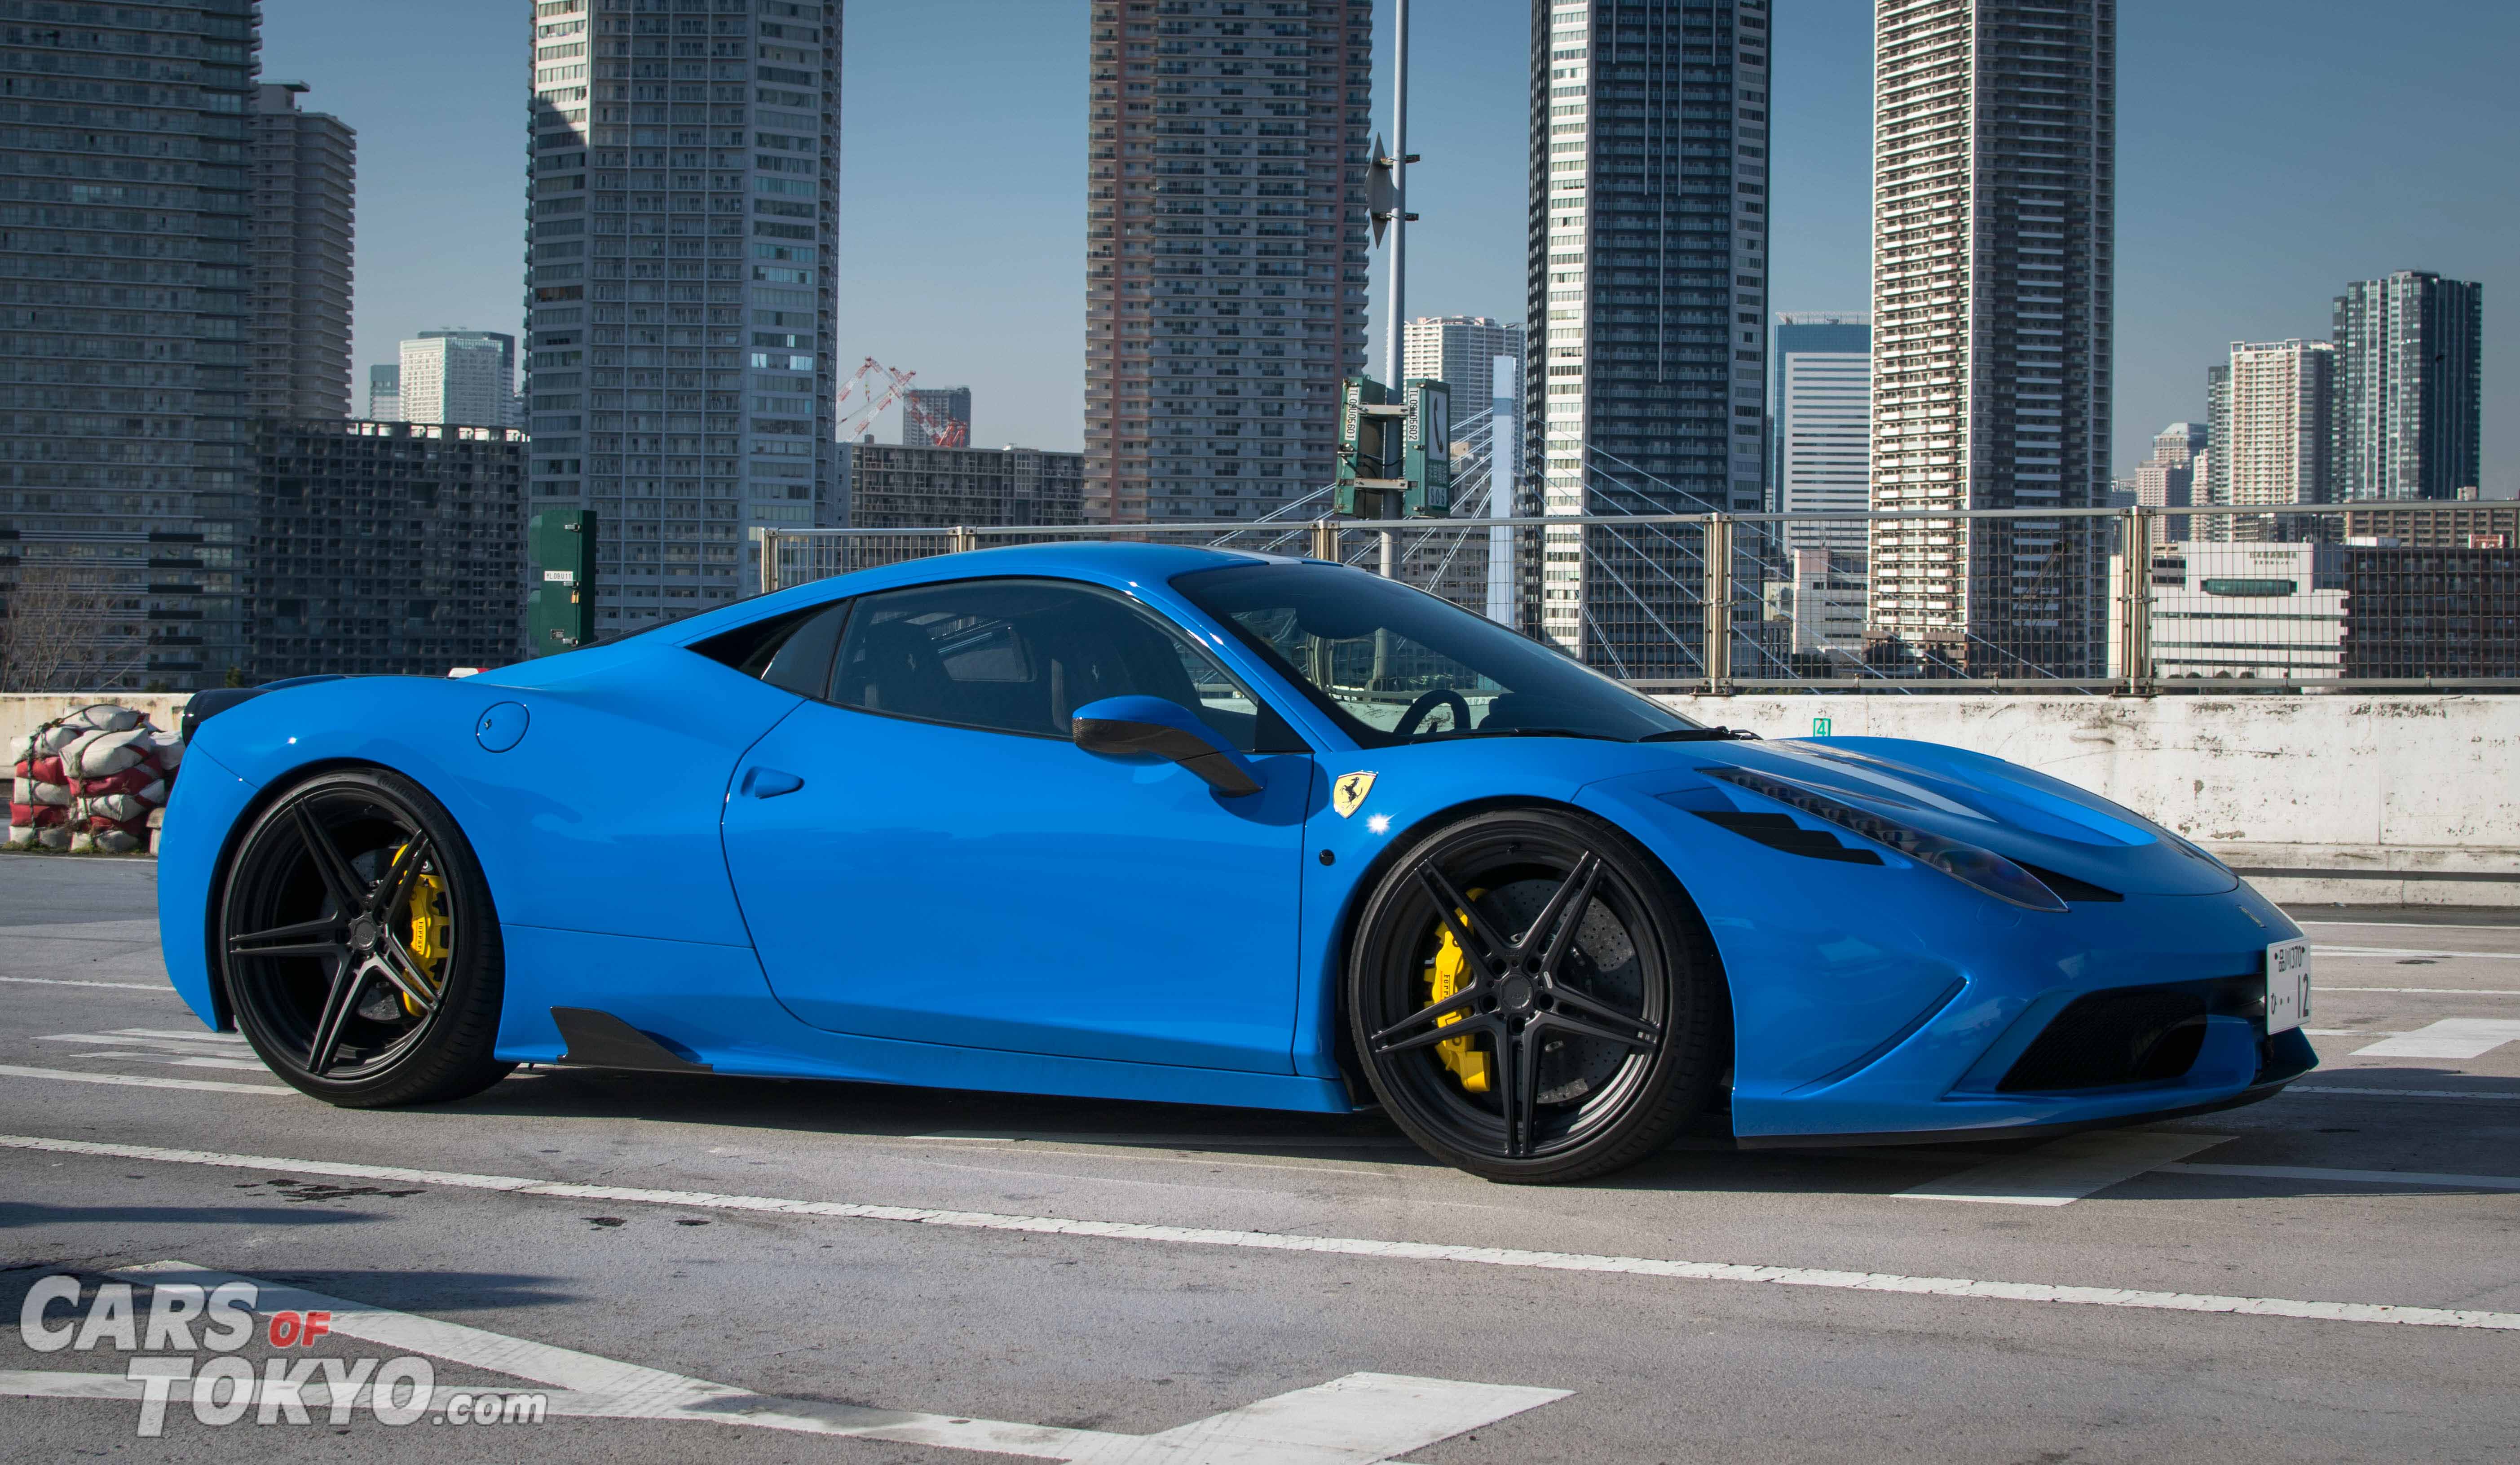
x=1534, y=998
x=358, y=945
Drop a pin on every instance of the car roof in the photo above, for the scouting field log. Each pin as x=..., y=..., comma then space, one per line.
x=1119, y=564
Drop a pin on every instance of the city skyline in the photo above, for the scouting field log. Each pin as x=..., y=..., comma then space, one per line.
x=2366, y=181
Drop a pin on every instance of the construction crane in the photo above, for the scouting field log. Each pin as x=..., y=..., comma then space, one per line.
x=882, y=385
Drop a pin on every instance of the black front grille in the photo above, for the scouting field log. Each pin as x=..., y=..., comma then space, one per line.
x=2128, y=1035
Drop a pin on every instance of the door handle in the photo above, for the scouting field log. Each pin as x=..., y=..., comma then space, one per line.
x=769, y=783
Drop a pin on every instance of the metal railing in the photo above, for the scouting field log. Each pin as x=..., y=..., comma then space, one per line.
x=2359, y=596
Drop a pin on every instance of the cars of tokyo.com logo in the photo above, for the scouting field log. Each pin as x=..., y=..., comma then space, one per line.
x=167, y=1336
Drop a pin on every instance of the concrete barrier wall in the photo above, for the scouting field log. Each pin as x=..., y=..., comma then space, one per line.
x=2354, y=800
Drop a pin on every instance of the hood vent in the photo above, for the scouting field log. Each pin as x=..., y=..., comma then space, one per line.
x=1781, y=832
x=2067, y=888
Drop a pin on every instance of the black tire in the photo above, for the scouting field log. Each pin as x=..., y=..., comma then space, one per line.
x=1582, y=977
x=358, y=946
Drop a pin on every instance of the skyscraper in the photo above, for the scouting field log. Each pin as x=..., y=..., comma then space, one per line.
x=1647, y=279
x=1823, y=414
x=1460, y=351
x=2409, y=350
x=305, y=177
x=2279, y=449
x=385, y=394
x=1994, y=170
x=511, y=404
x=685, y=200
x=1225, y=251
x=456, y=377
x=2167, y=479
x=123, y=323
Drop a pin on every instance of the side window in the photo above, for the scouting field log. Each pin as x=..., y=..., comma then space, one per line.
x=792, y=650
x=1023, y=656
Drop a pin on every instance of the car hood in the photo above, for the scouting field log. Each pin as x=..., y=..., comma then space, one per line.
x=2024, y=815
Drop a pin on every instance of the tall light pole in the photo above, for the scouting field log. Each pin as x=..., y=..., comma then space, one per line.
x=1389, y=549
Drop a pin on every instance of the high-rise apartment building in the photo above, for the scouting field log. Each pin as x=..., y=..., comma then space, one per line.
x=2409, y=350
x=686, y=213
x=915, y=486
x=304, y=175
x=385, y=394
x=2167, y=479
x=1648, y=286
x=1460, y=351
x=2279, y=451
x=1822, y=457
x=124, y=323
x=1225, y=251
x=385, y=547
x=458, y=377
x=943, y=409
x=1994, y=172
x=512, y=403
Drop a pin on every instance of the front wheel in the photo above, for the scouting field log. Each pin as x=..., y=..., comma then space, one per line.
x=1534, y=998
x=358, y=946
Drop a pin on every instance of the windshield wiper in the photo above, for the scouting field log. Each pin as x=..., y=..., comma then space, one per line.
x=1701, y=735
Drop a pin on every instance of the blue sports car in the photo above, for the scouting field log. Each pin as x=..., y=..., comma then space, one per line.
x=1157, y=823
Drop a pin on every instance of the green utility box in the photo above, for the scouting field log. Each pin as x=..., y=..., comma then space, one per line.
x=560, y=609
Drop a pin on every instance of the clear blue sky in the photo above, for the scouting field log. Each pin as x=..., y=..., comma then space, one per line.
x=2268, y=151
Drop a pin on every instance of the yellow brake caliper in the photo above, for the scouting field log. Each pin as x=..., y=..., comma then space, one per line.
x=432, y=931
x=1450, y=972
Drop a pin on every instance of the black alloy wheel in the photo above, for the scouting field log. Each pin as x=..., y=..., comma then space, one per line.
x=358, y=947
x=1534, y=998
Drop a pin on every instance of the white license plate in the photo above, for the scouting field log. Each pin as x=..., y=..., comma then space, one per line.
x=2287, y=985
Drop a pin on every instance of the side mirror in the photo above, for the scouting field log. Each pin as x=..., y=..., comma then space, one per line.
x=1124, y=725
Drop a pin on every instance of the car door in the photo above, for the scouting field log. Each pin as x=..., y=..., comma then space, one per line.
x=922, y=853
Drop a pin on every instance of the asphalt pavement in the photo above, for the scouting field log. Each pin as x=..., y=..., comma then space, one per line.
x=737, y=1269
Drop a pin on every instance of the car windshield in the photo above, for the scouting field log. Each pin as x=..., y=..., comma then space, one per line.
x=1392, y=664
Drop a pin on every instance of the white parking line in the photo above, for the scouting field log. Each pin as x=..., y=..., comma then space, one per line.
x=125, y=987
x=2451, y=1037
x=151, y=1044
x=2411, y=951
x=2064, y=1170
x=2407, y=925
x=1970, y=1289
x=2401, y=1094
x=1357, y=1420
x=2356, y=1177
x=197, y=1035
x=1180, y=1142
x=131, y=1055
x=2430, y=991
x=140, y=1081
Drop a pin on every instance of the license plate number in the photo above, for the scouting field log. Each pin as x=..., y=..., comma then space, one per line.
x=2287, y=985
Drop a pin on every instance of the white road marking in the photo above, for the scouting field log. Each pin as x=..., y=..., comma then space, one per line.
x=1365, y=1416
x=125, y=987
x=1271, y=1241
x=1182, y=1141
x=2451, y=1037
x=1356, y=1420
x=2064, y=1170
x=151, y=1044
x=2412, y=951
x=2400, y=1093
x=198, y=1035
x=2430, y=991
x=2407, y=925
x=142, y=1080
x=2359, y=1177
x=133, y=1055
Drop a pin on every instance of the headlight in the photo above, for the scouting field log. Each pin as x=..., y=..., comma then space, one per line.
x=1979, y=869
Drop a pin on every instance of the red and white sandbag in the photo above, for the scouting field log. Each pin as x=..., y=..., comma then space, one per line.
x=119, y=809
x=140, y=778
x=101, y=754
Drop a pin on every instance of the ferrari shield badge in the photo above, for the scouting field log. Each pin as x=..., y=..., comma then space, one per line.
x=1347, y=795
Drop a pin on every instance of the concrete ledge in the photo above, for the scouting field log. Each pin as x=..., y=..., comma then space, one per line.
x=2361, y=800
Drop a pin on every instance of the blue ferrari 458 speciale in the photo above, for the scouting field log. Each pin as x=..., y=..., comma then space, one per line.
x=1157, y=823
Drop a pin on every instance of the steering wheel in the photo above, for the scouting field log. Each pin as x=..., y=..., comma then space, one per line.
x=1426, y=703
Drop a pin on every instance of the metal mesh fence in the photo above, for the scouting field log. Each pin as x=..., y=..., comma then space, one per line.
x=2012, y=600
